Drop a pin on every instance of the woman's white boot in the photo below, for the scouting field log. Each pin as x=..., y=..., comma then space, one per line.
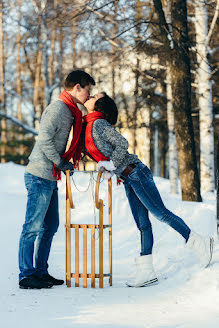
x=145, y=272
x=202, y=246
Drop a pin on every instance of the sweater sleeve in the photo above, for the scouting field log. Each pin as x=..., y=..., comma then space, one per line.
x=119, y=143
x=49, y=125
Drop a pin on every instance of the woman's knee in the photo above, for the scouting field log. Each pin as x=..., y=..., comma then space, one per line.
x=145, y=226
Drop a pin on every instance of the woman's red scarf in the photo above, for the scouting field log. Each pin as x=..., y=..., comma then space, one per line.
x=90, y=148
x=76, y=146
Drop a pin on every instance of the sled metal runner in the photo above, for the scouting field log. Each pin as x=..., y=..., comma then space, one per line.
x=99, y=205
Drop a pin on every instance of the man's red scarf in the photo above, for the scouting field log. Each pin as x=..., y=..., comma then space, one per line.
x=76, y=146
x=90, y=146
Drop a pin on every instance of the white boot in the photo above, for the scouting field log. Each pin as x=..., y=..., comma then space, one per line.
x=202, y=246
x=145, y=272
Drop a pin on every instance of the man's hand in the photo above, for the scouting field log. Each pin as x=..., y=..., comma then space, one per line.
x=65, y=165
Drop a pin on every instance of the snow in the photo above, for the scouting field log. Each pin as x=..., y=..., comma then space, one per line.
x=186, y=296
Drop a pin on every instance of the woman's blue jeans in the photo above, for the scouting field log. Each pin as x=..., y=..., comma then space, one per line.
x=143, y=196
x=41, y=222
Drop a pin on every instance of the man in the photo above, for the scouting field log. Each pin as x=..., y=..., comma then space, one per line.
x=46, y=162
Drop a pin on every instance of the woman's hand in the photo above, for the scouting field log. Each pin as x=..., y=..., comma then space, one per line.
x=107, y=165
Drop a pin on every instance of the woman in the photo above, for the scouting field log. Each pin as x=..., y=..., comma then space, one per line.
x=109, y=148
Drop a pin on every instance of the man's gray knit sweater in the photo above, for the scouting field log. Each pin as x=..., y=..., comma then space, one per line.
x=113, y=145
x=55, y=126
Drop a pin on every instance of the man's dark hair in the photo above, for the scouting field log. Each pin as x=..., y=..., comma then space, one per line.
x=76, y=77
x=107, y=106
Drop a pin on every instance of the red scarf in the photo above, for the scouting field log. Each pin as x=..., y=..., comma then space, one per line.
x=76, y=146
x=90, y=147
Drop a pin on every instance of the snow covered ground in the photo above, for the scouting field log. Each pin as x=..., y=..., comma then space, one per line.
x=185, y=297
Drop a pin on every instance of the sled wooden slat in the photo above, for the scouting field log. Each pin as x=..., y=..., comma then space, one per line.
x=68, y=189
x=85, y=256
x=93, y=256
x=110, y=229
x=68, y=233
x=85, y=275
x=101, y=244
x=81, y=275
x=90, y=226
x=76, y=255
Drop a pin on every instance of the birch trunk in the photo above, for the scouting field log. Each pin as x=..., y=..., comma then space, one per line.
x=2, y=88
x=146, y=117
x=204, y=99
x=156, y=152
x=172, y=151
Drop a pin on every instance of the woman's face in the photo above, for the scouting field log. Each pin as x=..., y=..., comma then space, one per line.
x=90, y=104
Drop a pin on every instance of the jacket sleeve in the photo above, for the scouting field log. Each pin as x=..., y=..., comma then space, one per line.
x=119, y=143
x=49, y=125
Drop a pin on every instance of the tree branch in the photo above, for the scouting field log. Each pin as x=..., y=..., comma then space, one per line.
x=19, y=123
x=164, y=28
x=213, y=23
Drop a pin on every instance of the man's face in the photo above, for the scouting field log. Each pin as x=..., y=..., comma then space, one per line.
x=90, y=103
x=82, y=94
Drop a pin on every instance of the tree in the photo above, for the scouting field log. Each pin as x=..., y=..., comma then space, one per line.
x=179, y=62
x=2, y=87
x=204, y=91
x=19, y=85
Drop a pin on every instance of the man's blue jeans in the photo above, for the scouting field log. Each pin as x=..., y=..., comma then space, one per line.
x=143, y=196
x=42, y=221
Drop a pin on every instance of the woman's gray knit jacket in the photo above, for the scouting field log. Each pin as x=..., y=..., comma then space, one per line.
x=113, y=145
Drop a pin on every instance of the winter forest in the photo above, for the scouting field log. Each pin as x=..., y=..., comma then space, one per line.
x=158, y=59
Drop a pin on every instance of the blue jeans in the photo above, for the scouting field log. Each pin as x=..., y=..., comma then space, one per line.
x=143, y=196
x=42, y=221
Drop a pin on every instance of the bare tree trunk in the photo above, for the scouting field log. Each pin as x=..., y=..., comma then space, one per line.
x=217, y=177
x=163, y=141
x=115, y=28
x=205, y=99
x=41, y=10
x=181, y=90
x=74, y=37
x=37, y=88
x=2, y=88
x=52, y=57
x=177, y=51
x=91, y=62
x=135, y=108
x=137, y=74
x=19, y=87
x=45, y=58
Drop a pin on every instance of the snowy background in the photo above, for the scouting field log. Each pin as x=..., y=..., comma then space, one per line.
x=185, y=297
